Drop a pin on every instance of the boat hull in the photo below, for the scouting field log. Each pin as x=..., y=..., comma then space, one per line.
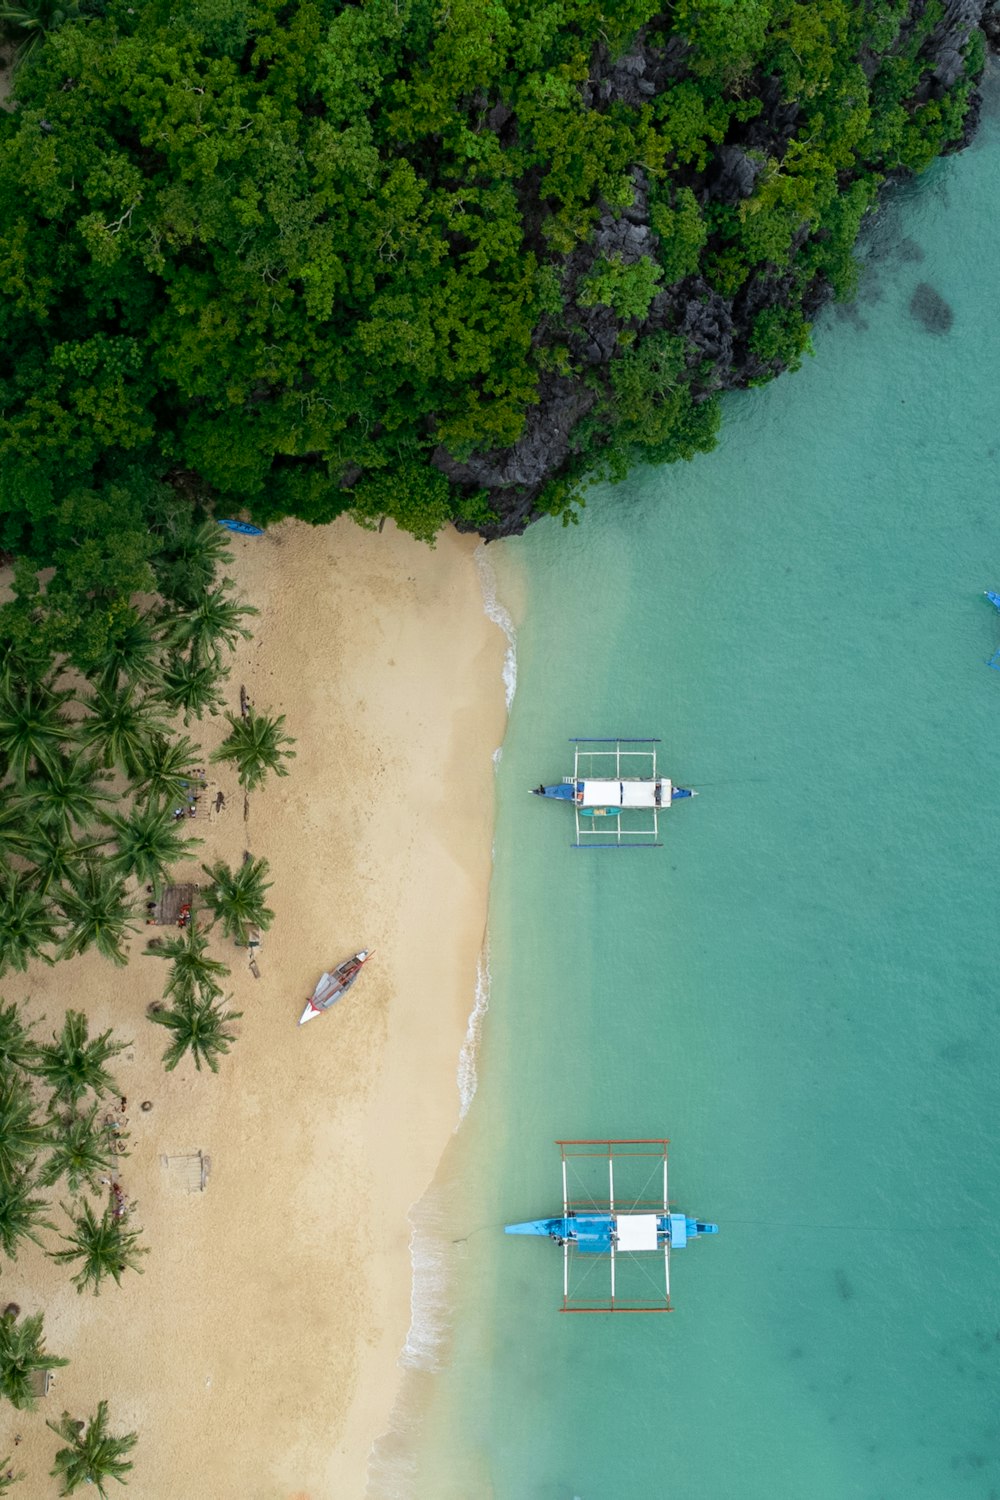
x=593, y=1234
x=333, y=986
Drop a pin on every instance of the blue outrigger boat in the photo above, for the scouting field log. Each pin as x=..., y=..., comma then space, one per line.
x=994, y=599
x=623, y=1228
x=617, y=792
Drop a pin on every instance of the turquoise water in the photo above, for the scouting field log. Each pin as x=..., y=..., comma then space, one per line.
x=800, y=988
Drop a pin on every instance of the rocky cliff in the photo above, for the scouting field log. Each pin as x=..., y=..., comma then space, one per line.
x=720, y=325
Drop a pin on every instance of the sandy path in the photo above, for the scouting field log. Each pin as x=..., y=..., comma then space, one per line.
x=257, y=1355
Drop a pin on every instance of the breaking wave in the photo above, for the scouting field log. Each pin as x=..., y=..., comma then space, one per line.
x=501, y=616
x=392, y=1463
x=467, y=1075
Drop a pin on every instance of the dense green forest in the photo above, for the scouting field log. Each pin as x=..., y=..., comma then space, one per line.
x=432, y=259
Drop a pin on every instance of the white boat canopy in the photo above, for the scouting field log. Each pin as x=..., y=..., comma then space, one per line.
x=635, y=1232
x=623, y=793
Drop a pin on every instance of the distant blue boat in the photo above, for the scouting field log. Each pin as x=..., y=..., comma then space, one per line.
x=243, y=527
x=994, y=599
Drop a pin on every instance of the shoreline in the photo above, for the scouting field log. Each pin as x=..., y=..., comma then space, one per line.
x=276, y=1305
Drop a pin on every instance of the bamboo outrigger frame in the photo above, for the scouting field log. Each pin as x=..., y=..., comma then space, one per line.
x=611, y=761
x=653, y=1149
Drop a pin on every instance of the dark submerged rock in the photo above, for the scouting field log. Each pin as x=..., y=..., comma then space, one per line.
x=930, y=309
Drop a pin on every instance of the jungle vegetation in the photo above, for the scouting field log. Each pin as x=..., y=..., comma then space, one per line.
x=96, y=780
x=437, y=261
x=60, y=1129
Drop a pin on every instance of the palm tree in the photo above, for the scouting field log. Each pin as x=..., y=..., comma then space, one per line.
x=16, y=1047
x=20, y=1217
x=191, y=970
x=11, y=820
x=133, y=651
x=188, y=557
x=7, y=1476
x=98, y=912
x=92, y=1454
x=32, y=726
x=21, y=1135
x=103, y=1244
x=22, y=1355
x=237, y=896
x=192, y=687
x=148, y=840
x=72, y=1063
x=56, y=860
x=198, y=1027
x=212, y=621
x=255, y=745
x=66, y=794
x=28, y=21
x=165, y=773
x=81, y=1151
x=122, y=724
x=26, y=923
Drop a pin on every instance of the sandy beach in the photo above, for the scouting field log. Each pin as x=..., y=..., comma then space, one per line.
x=257, y=1356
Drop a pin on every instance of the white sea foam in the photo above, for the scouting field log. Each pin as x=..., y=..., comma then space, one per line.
x=467, y=1075
x=428, y=1289
x=500, y=615
x=391, y=1465
x=432, y=1256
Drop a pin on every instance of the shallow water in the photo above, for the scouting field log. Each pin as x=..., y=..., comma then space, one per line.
x=800, y=987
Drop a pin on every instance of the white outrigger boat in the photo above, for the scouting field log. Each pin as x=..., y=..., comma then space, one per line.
x=615, y=1207
x=333, y=985
x=617, y=792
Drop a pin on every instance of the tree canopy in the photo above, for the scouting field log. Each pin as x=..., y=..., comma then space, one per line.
x=302, y=256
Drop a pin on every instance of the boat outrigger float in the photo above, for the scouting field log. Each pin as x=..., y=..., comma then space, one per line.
x=627, y=1219
x=617, y=793
x=333, y=986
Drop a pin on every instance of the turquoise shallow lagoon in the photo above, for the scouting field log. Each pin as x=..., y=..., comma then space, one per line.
x=801, y=987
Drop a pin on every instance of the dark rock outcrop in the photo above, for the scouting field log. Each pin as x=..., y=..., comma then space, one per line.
x=515, y=475
x=732, y=175
x=717, y=329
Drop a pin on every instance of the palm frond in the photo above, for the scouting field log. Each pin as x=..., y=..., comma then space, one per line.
x=104, y=1246
x=73, y=1063
x=198, y=1027
x=20, y=1217
x=148, y=841
x=21, y=1135
x=27, y=924
x=192, y=972
x=166, y=774
x=22, y=1354
x=256, y=745
x=33, y=727
x=237, y=896
x=80, y=1150
x=121, y=725
x=92, y=1454
x=98, y=912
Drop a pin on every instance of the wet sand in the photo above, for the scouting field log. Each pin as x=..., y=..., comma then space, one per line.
x=257, y=1356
